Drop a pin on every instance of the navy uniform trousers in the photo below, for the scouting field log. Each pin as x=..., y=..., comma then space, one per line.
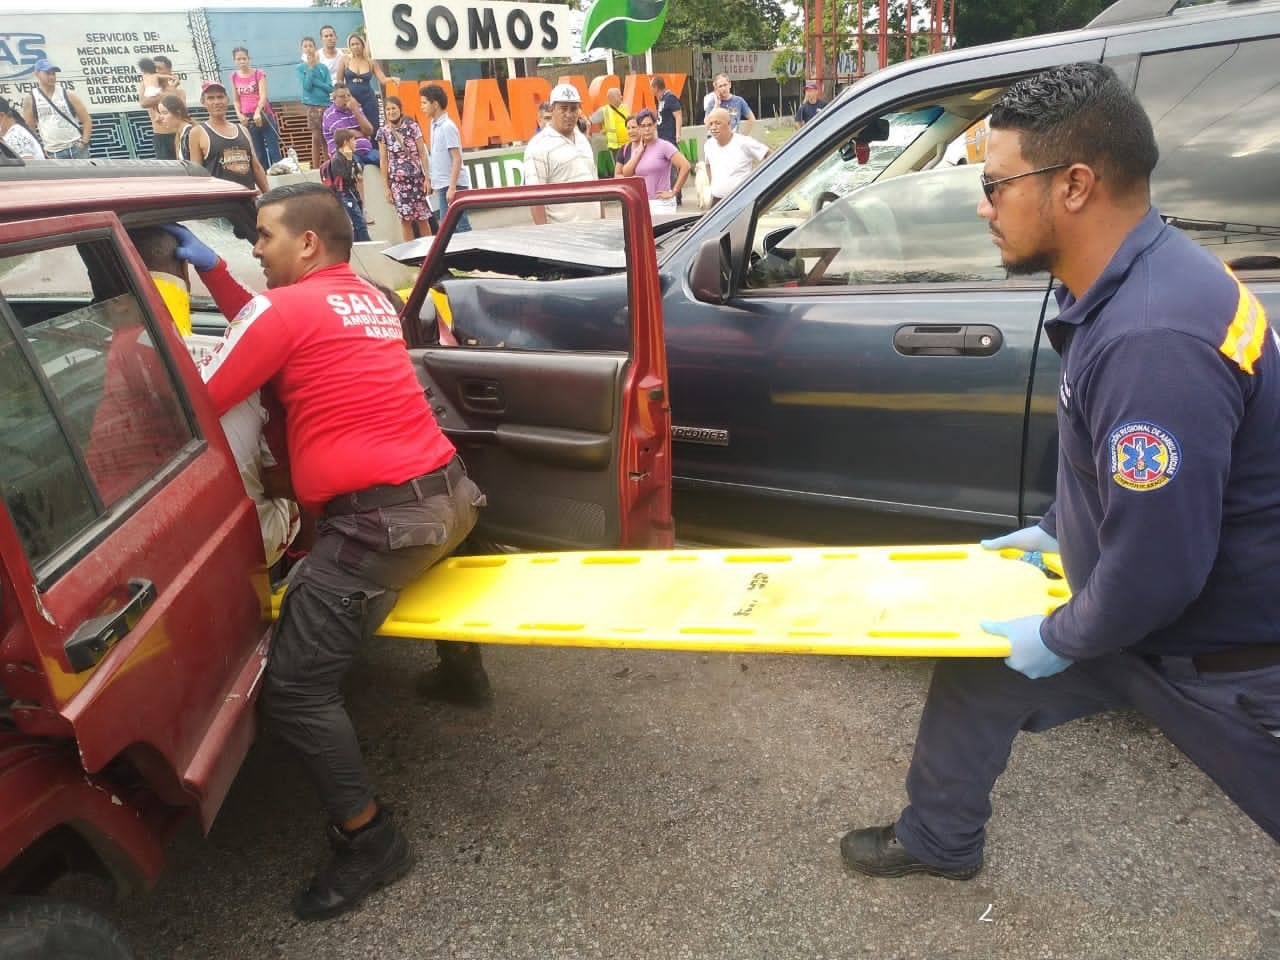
x=1221, y=721
x=371, y=544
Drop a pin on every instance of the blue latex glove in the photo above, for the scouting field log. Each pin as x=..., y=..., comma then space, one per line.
x=1030, y=657
x=190, y=248
x=1029, y=539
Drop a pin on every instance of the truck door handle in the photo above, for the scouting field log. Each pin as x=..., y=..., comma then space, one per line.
x=93, y=638
x=482, y=394
x=937, y=340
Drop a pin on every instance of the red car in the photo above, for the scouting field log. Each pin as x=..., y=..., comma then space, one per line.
x=132, y=576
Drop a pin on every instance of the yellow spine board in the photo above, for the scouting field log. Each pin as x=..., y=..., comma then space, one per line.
x=872, y=601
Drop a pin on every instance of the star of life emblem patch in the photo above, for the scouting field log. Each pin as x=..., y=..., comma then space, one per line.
x=251, y=311
x=1143, y=456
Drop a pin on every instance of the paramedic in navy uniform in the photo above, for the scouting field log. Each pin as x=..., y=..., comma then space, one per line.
x=1168, y=492
x=368, y=459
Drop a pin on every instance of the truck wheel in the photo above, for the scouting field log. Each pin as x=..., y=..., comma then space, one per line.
x=37, y=928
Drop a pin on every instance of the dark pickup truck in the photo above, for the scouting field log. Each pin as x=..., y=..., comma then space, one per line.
x=848, y=361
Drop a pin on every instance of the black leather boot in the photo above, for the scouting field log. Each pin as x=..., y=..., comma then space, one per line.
x=362, y=862
x=876, y=852
x=458, y=678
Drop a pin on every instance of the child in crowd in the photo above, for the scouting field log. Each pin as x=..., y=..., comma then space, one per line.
x=341, y=174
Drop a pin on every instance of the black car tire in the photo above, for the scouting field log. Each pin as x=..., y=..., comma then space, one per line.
x=38, y=928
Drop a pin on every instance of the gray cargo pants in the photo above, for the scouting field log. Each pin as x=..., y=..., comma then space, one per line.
x=369, y=547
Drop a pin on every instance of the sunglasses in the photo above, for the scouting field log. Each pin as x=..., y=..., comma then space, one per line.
x=989, y=186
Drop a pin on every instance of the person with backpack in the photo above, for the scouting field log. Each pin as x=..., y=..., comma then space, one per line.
x=342, y=173
x=57, y=115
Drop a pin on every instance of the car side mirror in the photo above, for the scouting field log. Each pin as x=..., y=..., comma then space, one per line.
x=709, y=276
x=425, y=330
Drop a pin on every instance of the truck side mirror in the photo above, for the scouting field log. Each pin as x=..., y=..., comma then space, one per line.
x=423, y=330
x=709, y=275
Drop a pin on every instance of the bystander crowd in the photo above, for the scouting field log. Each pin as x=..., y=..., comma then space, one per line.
x=404, y=169
x=810, y=104
x=222, y=146
x=447, y=172
x=253, y=108
x=730, y=156
x=316, y=84
x=16, y=134
x=562, y=154
x=57, y=114
x=723, y=98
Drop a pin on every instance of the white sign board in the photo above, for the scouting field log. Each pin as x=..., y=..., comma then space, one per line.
x=459, y=30
x=98, y=54
x=743, y=64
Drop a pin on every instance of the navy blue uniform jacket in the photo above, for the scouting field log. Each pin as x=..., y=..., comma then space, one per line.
x=1168, y=490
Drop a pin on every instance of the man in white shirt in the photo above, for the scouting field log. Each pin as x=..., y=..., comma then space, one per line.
x=730, y=156
x=445, y=168
x=330, y=54
x=561, y=153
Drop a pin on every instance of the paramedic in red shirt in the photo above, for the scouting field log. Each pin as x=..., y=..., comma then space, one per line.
x=368, y=459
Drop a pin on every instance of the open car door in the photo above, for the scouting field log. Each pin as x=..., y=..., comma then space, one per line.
x=571, y=447
x=130, y=620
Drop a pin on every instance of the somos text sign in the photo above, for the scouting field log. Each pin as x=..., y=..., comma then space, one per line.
x=459, y=30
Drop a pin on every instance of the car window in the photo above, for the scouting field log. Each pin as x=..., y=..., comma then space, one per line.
x=1216, y=113
x=90, y=413
x=495, y=292
x=921, y=228
x=220, y=234
x=857, y=161
x=895, y=203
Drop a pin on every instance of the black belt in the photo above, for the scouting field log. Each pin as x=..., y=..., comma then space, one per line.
x=1238, y=660
x=439, y=481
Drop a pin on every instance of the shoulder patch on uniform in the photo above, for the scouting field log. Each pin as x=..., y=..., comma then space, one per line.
x=1247, y=331
x=251, y=311
x=1143, y=456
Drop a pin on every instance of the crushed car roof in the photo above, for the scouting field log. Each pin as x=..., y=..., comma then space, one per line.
x=566, y=249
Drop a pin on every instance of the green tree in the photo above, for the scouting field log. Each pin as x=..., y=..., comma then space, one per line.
x=723, y=24
x=1005, y=19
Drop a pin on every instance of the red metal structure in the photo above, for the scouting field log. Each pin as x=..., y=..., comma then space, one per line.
x=842, y=36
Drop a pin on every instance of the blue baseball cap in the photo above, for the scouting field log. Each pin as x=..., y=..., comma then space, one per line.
x=45, y=65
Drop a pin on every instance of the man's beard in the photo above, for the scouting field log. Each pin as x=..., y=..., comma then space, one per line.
x=1038, y=262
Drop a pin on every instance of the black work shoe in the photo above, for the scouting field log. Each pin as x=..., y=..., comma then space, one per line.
x=361, y=863
x=876, y=852
x=458, y=678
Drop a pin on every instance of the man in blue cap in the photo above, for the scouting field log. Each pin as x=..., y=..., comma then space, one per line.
x=57, y=115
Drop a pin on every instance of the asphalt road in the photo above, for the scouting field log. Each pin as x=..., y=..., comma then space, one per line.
x=653, y=805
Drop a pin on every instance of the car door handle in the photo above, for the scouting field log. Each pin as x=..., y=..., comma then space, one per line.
x=936, y=340
x=482, y=394
x=93, y=638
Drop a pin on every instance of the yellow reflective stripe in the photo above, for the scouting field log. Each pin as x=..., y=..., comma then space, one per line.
x=1248, y=330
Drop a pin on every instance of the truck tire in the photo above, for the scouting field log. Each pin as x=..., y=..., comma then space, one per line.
x=37, y=928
